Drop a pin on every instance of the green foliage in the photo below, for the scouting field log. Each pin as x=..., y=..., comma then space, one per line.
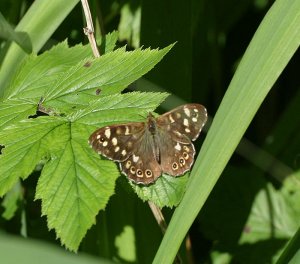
x=74, y=183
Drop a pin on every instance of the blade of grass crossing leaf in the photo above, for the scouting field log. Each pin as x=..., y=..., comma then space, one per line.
x=21, y=38
x=274, y=43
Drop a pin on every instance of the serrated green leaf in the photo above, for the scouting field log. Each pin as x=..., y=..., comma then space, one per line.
x=73, y=187
x=166, y=191
x=108, y=42
x=111, y=73
x=38, y=73
x=25, y=144
x=119, y=108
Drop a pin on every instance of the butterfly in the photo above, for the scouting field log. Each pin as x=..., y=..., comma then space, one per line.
x=162, y=144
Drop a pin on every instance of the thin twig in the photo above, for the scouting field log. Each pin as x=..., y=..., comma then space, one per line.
x=162, y=224
x=158, y=216
x=89, y=29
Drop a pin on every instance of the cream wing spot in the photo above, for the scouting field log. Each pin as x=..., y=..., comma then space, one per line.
x=128, y=164
x=196, y=110
x=171, y=119
x=98, y=137
x=178, y=115
x=135, y=158
x=126, y=130
x=105, y=143
x=187, y=111
x=186, y=122
x=187, y=130
x=119, y=131
x=124, y=152
x=194, y=119
x=107, y=132
x=114, y=141
x=117, y=149
x=177, y=133
x=178, y=147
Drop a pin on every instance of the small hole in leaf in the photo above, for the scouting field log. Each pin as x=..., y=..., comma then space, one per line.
x=37, y=114
x=1, y=147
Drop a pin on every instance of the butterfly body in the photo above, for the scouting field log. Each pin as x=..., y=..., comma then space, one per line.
x=163, y=144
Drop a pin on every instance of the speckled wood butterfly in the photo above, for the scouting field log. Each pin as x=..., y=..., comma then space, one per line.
x=163, y=144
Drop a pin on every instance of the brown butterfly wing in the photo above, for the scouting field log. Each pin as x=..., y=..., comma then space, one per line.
x=117, y=142
x=176, y=130
x=177, y=156
x=187, y=120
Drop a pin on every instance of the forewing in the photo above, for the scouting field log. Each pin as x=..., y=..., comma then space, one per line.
x=118, y=141
x=142, y=166
x=186, y=120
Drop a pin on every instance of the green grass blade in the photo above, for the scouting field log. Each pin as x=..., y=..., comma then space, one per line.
x=291, y=254
x=21, y=38
x=40, y=21
x=273, y=45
